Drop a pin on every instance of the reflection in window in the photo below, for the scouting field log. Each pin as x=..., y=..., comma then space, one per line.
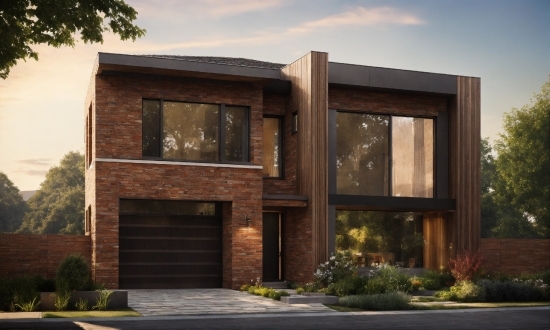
x=362, y=154
x=412, y=157
x=370, y=160
x=190, y=131
x=166, y=207
x=381, y=237
x=236, y=133
x=195, y=132
x=272, y=140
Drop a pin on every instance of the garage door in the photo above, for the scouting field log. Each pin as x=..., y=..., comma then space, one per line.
x=169, y=245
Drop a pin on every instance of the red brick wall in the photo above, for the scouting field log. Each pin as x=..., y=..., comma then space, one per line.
x=22, y=254
x=515, y=256
x=385, y=103
x=278, y=105
x=118, y=119
x=298, y=246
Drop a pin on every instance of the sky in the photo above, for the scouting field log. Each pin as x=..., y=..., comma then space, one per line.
x=505, y=43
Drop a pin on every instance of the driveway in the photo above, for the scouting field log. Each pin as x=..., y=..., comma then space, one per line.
x=210, y=301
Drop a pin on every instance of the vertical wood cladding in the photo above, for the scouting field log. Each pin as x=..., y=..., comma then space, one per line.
x=309, y=96
x=464, y=146
x=436, y=238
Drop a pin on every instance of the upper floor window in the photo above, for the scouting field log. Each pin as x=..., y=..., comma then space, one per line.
x=380, y=155
x=272, y=140
x=195, y=131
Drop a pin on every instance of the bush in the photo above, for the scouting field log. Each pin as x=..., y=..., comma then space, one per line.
x=267, y=292
x=466, y=266
x=337, y=268
x=352, y=285
x=416, y=283
x=432, y=280
x=464, y=291
x=388, y=279
x=380, y=302
x=515, y=290
x=103, y=300
x=72, y=274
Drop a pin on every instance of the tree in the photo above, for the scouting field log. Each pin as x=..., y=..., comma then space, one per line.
x=12, y=205
x=27, y=22
x=523, y=163
x=58, y=206
x=489, y=209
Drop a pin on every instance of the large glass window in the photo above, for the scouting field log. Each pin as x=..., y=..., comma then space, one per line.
x=380, y=155
x=272, y=157
x=374, y=238
x=362, y=154
x=195, y=131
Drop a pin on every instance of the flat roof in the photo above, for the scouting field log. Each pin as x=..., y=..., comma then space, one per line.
x=339, y=74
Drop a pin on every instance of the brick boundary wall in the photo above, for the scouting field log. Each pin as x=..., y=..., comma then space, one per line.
x=515, y=255
x=29, y=254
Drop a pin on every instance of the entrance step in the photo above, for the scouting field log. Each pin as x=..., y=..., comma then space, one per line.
x=275, y=285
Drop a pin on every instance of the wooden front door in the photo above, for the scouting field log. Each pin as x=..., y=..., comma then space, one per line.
x=272, y=259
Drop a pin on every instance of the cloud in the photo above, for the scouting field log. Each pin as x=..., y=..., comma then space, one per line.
x=374, y=17
x=34, y=167
x=176, y=9
x=36, y=162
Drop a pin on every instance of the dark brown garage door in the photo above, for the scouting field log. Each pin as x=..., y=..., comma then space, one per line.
x=170, y=251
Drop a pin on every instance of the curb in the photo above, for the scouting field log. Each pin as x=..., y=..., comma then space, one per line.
x=272, y=315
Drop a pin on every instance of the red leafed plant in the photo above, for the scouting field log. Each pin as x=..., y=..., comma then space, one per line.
x=466, y=265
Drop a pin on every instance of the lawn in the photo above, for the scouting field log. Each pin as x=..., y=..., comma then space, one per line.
x=89, y=314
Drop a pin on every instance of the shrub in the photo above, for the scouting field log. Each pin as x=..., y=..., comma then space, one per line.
x=6, y=294
x=432, y=280
x=352, y=285
x=515, y=290
x=416, y=283
x=267, y=292
x=465, y=291
x=28, y=306
x=384, y=301
x=24, y=291
x=299, y=290
x=103, y=300
x=72, y=274
x=62, y=300
x=387, y=279
x=339, y=266
x=466, y=266
x=81, y=304
x=244, y=287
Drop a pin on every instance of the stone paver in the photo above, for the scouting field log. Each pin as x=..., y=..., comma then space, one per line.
x=210, y=301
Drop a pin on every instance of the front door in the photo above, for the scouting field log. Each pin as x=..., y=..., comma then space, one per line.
x=272, y=262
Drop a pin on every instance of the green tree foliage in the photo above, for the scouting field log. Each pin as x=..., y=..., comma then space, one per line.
x=489, y=209
x=12, y=205
x=58, y=206
x=27, y=22
x=523, y=163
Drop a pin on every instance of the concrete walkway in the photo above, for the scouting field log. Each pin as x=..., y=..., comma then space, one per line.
x=210, y=301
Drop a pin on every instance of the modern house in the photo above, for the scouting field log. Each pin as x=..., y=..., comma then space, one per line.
x=212, y=172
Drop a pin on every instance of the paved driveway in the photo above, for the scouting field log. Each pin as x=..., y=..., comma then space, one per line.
x=209, y=301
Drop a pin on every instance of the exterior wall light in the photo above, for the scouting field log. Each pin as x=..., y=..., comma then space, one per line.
x=247, y=220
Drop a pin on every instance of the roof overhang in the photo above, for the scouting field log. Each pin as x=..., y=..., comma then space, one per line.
x=107, y=63
x=360, y=76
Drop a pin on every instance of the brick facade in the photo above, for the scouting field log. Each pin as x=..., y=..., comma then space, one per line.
x=515, y=255
x=27, y=254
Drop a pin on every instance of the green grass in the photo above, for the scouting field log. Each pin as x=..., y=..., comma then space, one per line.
x=85, y=314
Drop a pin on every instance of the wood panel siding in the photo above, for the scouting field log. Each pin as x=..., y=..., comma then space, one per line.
x=436, y=238
x=309, y=92
x=464, y=147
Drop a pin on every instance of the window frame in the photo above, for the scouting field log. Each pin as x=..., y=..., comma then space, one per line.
x=281, y=120
x=221, y=133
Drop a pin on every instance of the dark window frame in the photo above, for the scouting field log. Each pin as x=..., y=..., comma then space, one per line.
x=281, y=149
x=221, y=133
x=334, y=176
